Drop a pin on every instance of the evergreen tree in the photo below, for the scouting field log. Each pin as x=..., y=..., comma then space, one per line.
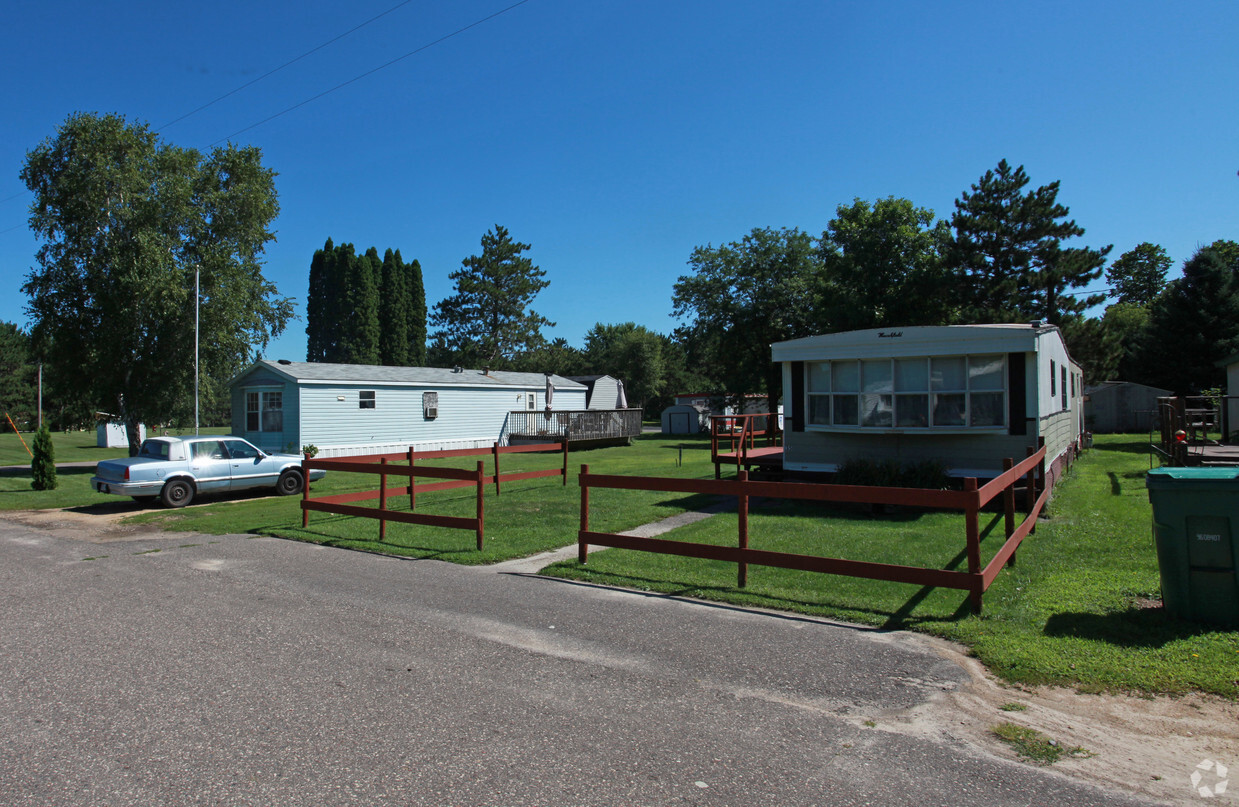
x=1007, y=250
x=1193, y=324
x=320, y=304
x=416, y=311
x=363, y=310
x=394, y=312
x=487, y=322
x=43, y=462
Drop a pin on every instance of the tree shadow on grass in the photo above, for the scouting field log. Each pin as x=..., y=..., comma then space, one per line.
x=1134, y=627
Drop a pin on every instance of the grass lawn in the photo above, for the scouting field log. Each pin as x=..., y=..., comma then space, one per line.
x=69, y=446
x=528, y=517
x=1073, y=611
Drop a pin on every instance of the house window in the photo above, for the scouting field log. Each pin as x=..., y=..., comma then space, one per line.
x=430, y=405
x=908, y=393
x=1053, y=380
x=264, y=411
x=365, y=399
x=1063, y=386
x=531, y=401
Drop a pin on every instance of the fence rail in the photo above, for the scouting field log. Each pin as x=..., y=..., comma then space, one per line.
x=383, y=466
x=970, y=500
x=574, y=424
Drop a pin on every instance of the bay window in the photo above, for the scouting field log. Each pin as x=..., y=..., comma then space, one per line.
x=943, y=392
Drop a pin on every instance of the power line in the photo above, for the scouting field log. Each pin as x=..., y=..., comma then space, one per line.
x=384, y=66
x=281, y=67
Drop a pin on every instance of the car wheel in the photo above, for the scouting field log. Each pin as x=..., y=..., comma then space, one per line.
x=289, y=483
x=145, y=499
x=177, y=493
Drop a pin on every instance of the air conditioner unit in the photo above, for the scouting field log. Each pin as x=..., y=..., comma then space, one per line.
x=432, y=413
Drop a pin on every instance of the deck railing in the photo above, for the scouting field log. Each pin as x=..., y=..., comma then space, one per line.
x=733, y=437
x=574, y=424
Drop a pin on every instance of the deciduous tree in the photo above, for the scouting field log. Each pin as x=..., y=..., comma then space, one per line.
x=744, y=296
x=1139, y=274
x=884, y=266
x=126, y=220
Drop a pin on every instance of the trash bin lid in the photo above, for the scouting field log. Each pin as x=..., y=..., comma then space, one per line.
x=1226, y=479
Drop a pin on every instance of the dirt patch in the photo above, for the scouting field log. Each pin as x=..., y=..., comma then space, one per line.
x=97, y=524
x=1149, y=746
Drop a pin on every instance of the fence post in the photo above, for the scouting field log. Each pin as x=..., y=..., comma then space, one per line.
x=565, y=471
x=742, y=510
x=412, y=483
x=496, y=452
x=481, y=471
x=305, y=490
x=582, y=548
x=974, y=542
x=1008, y=505
x=382, y=499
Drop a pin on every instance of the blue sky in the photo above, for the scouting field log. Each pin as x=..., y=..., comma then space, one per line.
x=616, y=136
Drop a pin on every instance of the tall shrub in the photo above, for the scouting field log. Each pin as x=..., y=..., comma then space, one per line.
x=43, y=465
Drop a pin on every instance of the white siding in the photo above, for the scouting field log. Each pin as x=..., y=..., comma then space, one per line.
x=467, y=418
x=605, y=394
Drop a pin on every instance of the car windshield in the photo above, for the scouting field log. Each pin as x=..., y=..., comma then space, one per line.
x=157, y=449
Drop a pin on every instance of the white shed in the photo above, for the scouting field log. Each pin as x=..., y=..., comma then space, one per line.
x=602, y=391
x=967, y=396
x=348, y=409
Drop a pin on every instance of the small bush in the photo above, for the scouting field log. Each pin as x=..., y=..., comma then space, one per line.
x=43, y=463
x=311, y=450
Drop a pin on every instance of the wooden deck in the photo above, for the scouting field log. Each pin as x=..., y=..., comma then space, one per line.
x=734, y=441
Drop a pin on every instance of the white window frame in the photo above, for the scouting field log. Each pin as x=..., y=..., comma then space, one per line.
x=883, y=396
x=262, y=397
x=531, y=402
x=373, y=400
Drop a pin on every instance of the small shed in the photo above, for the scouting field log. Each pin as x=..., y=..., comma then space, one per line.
x=1121, y=407
x=966, y=396
x=602, y=391
x=685, y=419
x=1230, y=419
x=345, y=409
x=111, y=434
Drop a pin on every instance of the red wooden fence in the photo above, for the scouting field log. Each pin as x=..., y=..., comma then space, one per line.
x=381, y=464
x=970, y=500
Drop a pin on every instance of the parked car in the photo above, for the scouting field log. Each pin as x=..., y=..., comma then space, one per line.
x=176, y=469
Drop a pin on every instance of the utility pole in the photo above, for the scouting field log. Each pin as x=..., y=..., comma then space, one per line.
x=197, y=269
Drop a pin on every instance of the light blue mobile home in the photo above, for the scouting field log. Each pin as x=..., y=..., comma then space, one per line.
x=346, y=409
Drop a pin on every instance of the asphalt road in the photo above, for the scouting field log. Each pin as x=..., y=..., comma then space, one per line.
x=254, y=671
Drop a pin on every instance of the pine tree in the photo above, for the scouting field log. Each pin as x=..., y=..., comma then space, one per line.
x=1193, y=324
x=488, y=320
x=1007, y=250
x=43, y=464
x=360, y=317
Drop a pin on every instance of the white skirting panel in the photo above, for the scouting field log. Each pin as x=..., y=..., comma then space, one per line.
x=400, y=448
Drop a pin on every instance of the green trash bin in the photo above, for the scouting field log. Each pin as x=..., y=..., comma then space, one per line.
x=1196, y=529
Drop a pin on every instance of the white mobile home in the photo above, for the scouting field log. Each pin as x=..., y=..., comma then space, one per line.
x=348, y=409
x=967, y=396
